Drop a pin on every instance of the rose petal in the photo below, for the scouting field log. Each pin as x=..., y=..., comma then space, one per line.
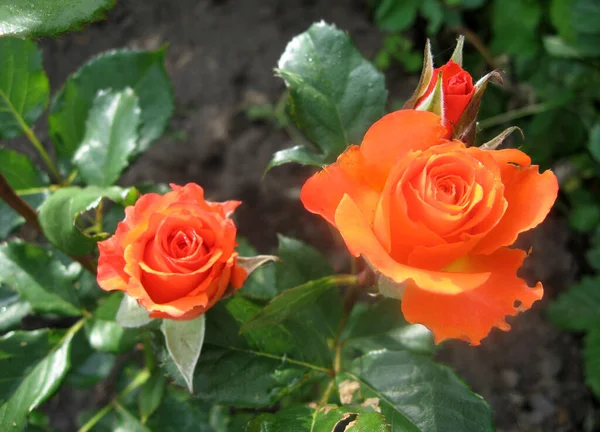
x=322, y=192
x=472, y=314
x=361, y=240
x=393, y=136
x=111, y=264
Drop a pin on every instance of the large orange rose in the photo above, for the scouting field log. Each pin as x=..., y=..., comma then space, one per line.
x=173, y=253
x=437, y=217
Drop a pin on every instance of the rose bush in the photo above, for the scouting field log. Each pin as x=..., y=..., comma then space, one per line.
x=173, y=253
x=437, y=217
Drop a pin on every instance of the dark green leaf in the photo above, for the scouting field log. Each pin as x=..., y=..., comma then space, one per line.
x=184, y=340
x=91, y=369
x=335, y=93
x=296, y=419
x=395, y=16
x=41, y=372
x=261, y=282
x=48, y=17
x=104, y=333
x=579, y=307
x=143, y=71
x=151, y=395
x=110, y=137
x=402, y=380
x=585, y=217
x=298, y=154
x=128, y=422
x=24, y=89
x=289, y=303
x=26, y=179
x=586, y=16
x=561, y=17
x=13, y=309
x=59, y=214
x=594, y=142
x=300, y=263
x=381, y=326
x=39, y=279
x=591, y=355
x=514, y=24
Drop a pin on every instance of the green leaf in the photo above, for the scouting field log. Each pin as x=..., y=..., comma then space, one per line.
x=561, y=17
x=586, y=16
x=42, y=364
x=591, y=356
x=151, y=395
x=298, y=154
x=104, y=333
x=143, y=71
x=382, y=326
x=396, y=16
x=13, y=309
x=325, y=419
x=594, y=142
x=23, y=176
x=184, y=340
x=335, y=93
x=24, y=88
x=39, y=278
x=261, y=282
x=110, y=137
x=514, y=24
x=300, y=263
x=48, y=17
x=127, y=422
x=59, y=214
x=290, y=302
x=585, y=217
x=579, y=307
x=131, y=314
x=402, y=380
x=91, y=369
x=179, y=412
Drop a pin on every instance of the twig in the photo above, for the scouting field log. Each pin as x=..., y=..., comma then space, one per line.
x=8, y=194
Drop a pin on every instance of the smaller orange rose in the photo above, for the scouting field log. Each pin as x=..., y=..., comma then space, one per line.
x=173, y=253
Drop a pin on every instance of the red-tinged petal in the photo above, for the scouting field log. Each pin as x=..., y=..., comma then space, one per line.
x=394, y=136
x=111, y=265
x=322, y=193
x=530, y=196
x=361, y=240
x=472, y=314
x=238, y=277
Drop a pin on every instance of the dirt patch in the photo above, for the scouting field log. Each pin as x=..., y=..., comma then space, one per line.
x=220, y=58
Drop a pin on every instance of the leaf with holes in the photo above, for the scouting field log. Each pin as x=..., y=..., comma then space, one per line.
x=24, y=88
x=335, y=93
x=445, y=403
x=110, y=137
x=39, y=278
x=142, y=71
x=49, y=17
x=27, y=180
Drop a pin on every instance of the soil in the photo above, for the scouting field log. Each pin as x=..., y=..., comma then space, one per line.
x=220, y=58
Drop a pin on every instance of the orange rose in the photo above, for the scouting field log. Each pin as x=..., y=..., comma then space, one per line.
x=458, y=90
x=438, y=217
x=173, y=253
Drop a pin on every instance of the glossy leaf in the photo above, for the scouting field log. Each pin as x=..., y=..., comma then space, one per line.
x=289, y=302
x=151, y=395
x=579, y=307
x=335, y=93
x=402, y=380
x=184, y=340
x=41, y=373
x=261, y=282
x=104, y=333
x=59, y=214
x=39, y=278
x=298, y=154
x=13, y=309
x=131, y=314
x=48, y=17
x=26, y=179
x=110, y=137
x=24, y=88
x=142, y=71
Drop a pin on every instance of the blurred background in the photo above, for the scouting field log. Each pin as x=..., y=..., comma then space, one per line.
x=230, y=118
